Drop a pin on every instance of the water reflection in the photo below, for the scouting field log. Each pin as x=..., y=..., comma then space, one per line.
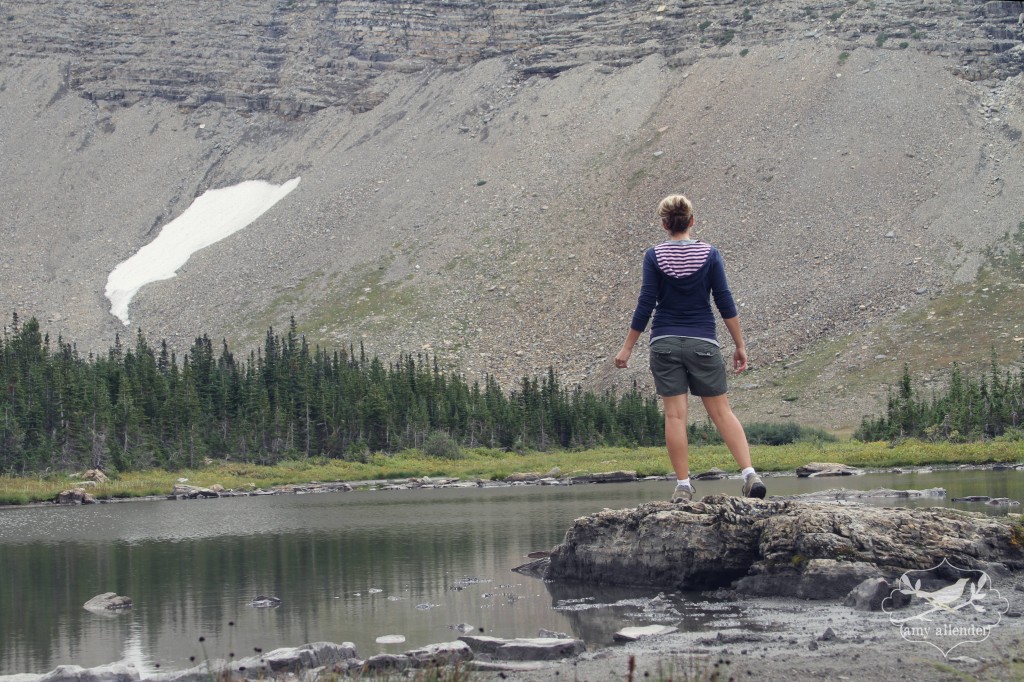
x=347, y=567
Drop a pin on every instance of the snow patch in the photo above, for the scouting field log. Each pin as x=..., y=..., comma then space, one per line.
x=214, y=215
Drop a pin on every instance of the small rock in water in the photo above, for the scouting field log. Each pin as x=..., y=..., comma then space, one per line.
x=108, y=602
x=551, y=634
x=424, y=607
x=263, y=602
x=390, y=639
x=634, y=633
x=464, y=628
x=375, y=590
x=828, y=635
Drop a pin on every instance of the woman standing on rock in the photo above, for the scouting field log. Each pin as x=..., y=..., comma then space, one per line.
x=680, y=276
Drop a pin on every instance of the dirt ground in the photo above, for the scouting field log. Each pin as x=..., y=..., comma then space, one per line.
x=786, y=640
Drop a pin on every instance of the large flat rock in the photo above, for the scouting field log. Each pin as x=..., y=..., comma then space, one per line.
x=805, y=549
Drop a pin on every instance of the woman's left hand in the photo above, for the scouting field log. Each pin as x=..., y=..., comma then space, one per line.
x=622, y=358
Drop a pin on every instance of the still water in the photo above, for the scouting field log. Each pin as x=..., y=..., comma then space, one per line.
x=346, y=566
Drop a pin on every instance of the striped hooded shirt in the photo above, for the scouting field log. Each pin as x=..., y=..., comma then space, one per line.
x=679, y=280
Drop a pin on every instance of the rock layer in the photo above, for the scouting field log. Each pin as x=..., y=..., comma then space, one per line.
x=298, y=57
x=775, y=547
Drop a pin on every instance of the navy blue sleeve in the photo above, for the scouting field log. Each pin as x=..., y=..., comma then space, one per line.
x=720, y=288
x=648, y=293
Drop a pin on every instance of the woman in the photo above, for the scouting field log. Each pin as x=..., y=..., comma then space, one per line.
x=680, y=276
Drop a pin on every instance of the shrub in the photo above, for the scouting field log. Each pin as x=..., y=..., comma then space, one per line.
x=760, y=433
x=442, y=446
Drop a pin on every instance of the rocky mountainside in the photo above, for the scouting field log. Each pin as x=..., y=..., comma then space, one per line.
x=479, y=180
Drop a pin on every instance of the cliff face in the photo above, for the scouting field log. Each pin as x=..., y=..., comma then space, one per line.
x=295, y=56
x=479, y=181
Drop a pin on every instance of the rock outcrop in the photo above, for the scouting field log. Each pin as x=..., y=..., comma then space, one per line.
x=775, y=547
x=297, y=57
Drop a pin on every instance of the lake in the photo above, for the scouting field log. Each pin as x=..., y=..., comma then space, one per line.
x=346, y=566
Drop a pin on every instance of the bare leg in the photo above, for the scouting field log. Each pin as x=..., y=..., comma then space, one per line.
x=728, y=425
x=675, y=434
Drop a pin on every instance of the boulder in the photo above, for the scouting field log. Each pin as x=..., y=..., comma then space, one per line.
x=386, y=663
x=192, y=492
x=308, y=656
x=712, y=474
x=74, y=496
x=442, y=654
x=811, y=550
x=112, y=672
x=869, y=595
x=108, y=601
x=815, y=469
x=95, y=475
x=814, y=579
x=524, y=649
x=606, y=477
x=523, y=477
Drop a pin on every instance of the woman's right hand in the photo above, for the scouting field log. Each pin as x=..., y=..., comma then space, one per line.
x=622, y=357
x=739, y=360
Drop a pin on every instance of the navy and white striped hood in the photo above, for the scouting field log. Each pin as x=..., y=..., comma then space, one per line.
x=681, y=260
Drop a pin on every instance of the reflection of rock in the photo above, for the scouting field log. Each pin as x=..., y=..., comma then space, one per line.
x=815, y=469
x=991, y=501
x=774, y=544
x=108, y=601
x=112, y=672
x=596, y=612
x=875, y=493
x=75, y=496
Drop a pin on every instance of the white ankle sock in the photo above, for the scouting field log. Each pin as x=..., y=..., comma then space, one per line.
x=683, y=481
x=747, y=473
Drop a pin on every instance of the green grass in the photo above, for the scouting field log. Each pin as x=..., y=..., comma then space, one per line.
x=488, y=464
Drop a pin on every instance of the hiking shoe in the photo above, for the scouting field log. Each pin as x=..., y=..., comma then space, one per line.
x=754, y=487
x=683, y=493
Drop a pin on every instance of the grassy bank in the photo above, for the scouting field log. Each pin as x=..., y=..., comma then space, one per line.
x=495, y=465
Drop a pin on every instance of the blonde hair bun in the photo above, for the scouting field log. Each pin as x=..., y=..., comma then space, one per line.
x=676, y=210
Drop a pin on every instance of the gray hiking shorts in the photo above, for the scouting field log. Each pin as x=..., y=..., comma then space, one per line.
x=684, y=365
